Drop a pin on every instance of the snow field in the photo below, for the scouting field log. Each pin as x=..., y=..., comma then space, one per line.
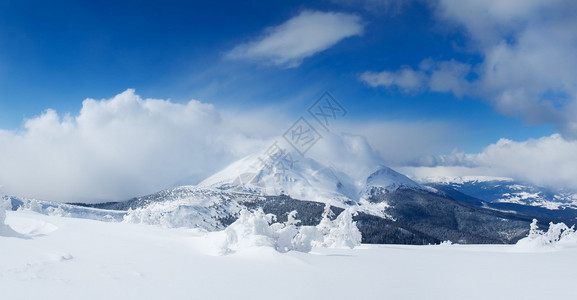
x=67, y=258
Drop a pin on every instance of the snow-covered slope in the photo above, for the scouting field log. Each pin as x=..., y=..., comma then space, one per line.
x=61, y=209
x=186, y=206
x=63, y=258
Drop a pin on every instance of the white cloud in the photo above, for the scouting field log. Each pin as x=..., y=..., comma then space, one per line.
x=489, y=21
x=444, y=76
x=548, y=161
x=449, y=76
x=302, y=36
x=528, y=66
x=124, y=147
x=405, y=79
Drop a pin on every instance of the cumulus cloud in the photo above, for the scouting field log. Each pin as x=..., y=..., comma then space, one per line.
x=124, y=147
x=302, y=36
x=527, y=69
x=547, y=161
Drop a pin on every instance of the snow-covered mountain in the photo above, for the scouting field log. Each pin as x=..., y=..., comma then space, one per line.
x=310, y=180
x=505, y=190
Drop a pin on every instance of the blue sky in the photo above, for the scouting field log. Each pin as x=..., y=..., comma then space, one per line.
x=468, y=72
x=55, y=56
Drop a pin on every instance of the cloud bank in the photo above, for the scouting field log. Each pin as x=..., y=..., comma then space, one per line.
x=123, y=147
x=528, y=65
x=547, y=161
x=300, y=37
x=127, y=146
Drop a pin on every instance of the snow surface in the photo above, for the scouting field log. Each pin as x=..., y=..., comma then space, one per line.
x=59, y=257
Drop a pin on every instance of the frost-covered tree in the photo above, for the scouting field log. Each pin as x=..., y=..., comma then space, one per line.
x=249, y=230
x=257, y=229
x=5, y=230
x=2, y=212
x=303, y=237
x=306, y=237
x=342, y=232
x=557, y=234
x=326, y=223
x=284, y=233
x=534, y=230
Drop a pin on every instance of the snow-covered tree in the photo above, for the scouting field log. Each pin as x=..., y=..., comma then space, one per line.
x=284, y=233
x=326, y=223
x=2, y=212
x=249, y=230
x=341, y=232
x=257, y=229
x=5, y=230
x=557, y=234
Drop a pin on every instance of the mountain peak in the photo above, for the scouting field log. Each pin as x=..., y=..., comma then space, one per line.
x=390, y=179
x=307, y=179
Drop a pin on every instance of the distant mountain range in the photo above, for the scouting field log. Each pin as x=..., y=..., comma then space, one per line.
x=392, y=207
x=505, y=190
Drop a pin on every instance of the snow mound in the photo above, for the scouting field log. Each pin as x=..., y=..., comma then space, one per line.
x=257, y=229
x=32, y=227
x=557, y=236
